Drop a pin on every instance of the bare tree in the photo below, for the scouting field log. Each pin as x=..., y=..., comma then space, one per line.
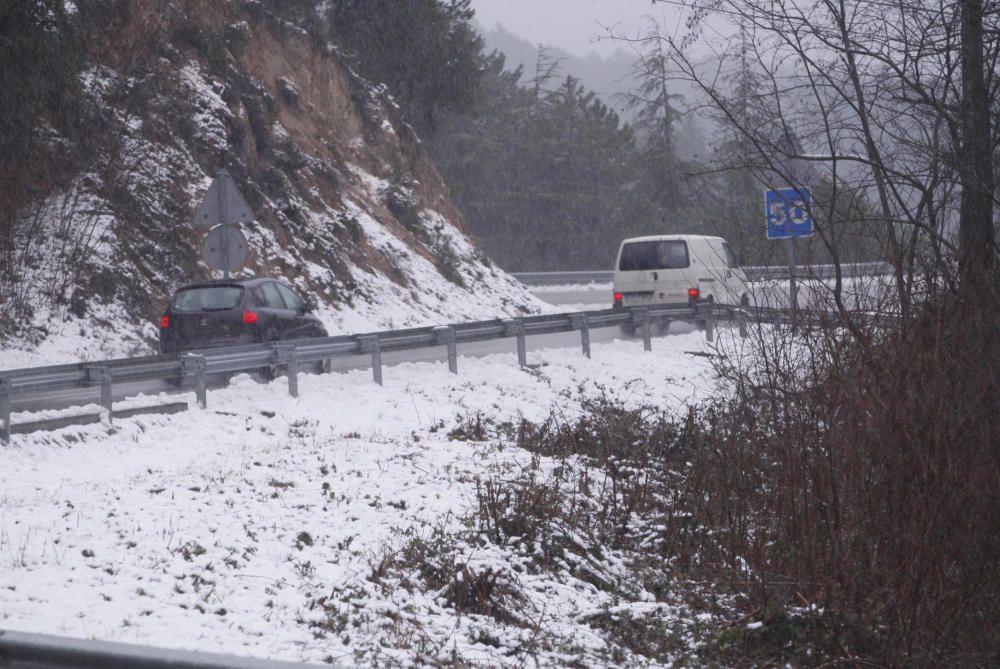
x=891, y=97
x=855, y=466
x=977, y=254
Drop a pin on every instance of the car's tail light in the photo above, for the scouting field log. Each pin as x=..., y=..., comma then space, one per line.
x=250, y=316
x=164, y=321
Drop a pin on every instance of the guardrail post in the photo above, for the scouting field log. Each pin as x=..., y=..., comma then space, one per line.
x=102, y=375
x=285, y=354
x=446, y=335
x=583, y=325
x=709, y=310
x=5, y=399
x=374, y=344
x=193, y=364
x=741, y=321
x=293, y=371
x=515, y=327
x=640, y=318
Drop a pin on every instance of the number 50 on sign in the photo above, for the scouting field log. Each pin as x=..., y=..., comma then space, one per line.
x=787, y=212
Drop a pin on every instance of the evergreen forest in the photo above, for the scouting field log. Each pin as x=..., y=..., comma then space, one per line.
x=547, y=175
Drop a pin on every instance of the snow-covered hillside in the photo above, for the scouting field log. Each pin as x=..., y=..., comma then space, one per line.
x=285, y=528
x=348, y=207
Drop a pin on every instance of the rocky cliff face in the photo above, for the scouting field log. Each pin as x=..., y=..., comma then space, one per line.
x=348, y=207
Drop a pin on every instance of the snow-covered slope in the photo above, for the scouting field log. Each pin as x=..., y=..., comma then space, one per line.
x=279, y=527
x=348, y=207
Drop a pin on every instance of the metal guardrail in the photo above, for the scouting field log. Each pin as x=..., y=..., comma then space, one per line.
x=79, y=380
x=847, y=271
x=20, y=650
x=563, y=278
x=752, y=272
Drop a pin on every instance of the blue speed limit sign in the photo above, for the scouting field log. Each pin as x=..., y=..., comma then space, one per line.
x=787, y=211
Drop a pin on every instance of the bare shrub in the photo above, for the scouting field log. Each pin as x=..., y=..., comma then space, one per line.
x=606, y=496
x=845, y=491
x=634, y=455
x=436, y=564
x=857, y=470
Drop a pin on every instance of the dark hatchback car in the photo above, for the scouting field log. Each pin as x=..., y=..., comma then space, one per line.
x=235, y=311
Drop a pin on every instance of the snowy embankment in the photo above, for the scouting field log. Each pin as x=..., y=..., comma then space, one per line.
x=260, y=525
x=866, y=293
x=346, y=207
x=869, y=293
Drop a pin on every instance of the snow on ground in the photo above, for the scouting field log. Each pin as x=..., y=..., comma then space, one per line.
x=107, y=332
x=867, y=293
x=100, y=335
x=220, y=529
x=602, y=289
x=864, y=293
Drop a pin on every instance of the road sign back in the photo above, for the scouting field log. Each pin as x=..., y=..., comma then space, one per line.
x=223, y=204
x=225, y=248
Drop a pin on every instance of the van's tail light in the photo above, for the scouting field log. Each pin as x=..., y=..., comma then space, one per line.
x=164, y=321
x=250, y=316
x=693, y=295
x=618, y=299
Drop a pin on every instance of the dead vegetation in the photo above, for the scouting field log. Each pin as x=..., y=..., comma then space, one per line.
x=589, y=510
x=837, y=508
x=861, y=478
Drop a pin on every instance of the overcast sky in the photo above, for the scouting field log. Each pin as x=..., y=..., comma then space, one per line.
x=577, y=26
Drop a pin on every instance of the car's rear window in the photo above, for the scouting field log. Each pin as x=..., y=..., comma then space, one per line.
x=208, y=298
x=655, y=254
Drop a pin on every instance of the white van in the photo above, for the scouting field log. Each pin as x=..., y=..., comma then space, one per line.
x=678, y=270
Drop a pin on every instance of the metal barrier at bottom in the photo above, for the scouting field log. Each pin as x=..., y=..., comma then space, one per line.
x=22, y=650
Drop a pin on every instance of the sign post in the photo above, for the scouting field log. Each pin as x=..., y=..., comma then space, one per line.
x=223, y=210
x=787, y=212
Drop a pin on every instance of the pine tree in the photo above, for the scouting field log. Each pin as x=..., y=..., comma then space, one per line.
x=656, y=119
x=425, y=51
x=41, y=55
x=738, y=214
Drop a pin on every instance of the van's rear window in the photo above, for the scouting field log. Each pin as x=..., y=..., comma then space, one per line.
x=656, y=254
x=208, y=298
